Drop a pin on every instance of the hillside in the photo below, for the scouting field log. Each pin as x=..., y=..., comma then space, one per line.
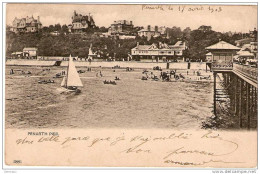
x=78, y=44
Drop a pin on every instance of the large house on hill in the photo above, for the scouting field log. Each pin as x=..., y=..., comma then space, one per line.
x=28, y=24
x=81, y=23
x=152, y=32
x=161, y=51
x=121, y=27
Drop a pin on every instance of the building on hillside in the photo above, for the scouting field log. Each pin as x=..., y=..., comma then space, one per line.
x=81, y=23
x=162, y=51
x=30, y=52
x=26, y=25
x=152, y=32
x=241, y=42
x=149, y=32
x=121, y=27
x=248, y=44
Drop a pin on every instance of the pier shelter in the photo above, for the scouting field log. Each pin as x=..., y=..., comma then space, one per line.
x=222, y=56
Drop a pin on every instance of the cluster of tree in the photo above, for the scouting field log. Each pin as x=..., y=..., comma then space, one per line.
x=78, y=45
x=56, y=27
x=65, y=29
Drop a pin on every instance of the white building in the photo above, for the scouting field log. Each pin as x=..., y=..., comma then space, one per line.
x=30, y=52
x=161, y=51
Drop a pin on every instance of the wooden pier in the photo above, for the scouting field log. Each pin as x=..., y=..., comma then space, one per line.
x=235, y=84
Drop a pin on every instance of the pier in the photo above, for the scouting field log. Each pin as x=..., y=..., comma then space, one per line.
x=234, y=84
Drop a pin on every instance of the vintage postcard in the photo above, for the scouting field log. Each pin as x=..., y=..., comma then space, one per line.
x=131, y=85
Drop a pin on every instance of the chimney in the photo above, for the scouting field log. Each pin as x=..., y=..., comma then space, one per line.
x=156, y=28
x=149, y=27
x=38, y=18
x=131, y=22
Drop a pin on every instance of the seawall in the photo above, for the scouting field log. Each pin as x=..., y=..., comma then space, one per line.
x=132, y=64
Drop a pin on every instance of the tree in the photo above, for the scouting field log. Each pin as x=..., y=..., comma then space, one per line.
x=102, y=29
x=57, y=27
x=205, y=28
x=186, y=33
x=64, y=29
x=200, y=39
x=174, y=33
x=51, y=28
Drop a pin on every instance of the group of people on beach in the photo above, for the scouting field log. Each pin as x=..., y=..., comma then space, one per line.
x=22, y=72
x=165, y=76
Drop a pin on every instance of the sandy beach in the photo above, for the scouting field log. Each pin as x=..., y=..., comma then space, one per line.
x=132, y=103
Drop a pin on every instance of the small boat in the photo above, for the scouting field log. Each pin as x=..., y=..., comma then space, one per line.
x=71, y=81
x=109, y=82
x=45, y=81
x=117, y=78
x=144, y=78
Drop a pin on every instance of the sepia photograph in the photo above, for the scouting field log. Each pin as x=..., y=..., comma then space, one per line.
x=131, y=85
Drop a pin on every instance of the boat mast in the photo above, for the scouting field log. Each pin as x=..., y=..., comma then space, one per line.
x=66, y=80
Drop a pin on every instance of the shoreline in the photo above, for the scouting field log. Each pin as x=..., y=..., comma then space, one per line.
x=105, y=64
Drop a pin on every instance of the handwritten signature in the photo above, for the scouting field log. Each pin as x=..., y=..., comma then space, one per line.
x=183, y=8
x=145, y=145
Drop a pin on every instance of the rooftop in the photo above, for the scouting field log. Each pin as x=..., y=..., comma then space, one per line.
x=178, y=45
x=245, y=53
x=222, y=45
x=30, y=49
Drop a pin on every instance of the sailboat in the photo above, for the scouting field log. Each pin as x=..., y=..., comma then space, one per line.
x=71, y=81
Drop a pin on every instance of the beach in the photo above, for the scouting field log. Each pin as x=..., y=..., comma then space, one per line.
x=132, y=103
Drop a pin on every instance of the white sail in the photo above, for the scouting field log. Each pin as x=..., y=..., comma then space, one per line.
x=90, y=51
x=63, y=83
x=72, y=75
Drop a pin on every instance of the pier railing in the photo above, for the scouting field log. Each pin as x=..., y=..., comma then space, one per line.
x=247, y=71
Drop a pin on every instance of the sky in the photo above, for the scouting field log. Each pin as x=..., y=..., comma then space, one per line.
x=239, y=18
